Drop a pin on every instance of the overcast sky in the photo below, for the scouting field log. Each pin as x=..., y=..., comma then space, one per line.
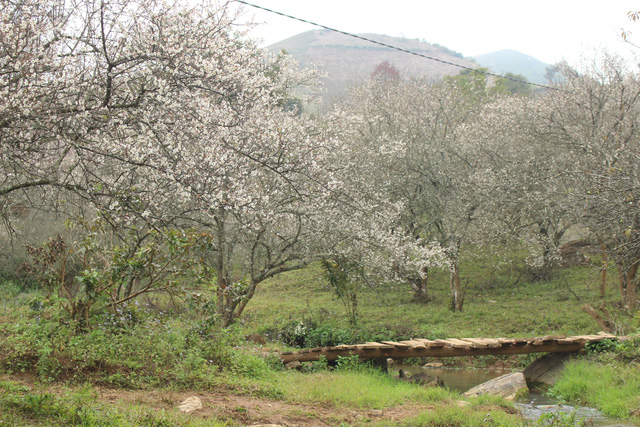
x=547, y=30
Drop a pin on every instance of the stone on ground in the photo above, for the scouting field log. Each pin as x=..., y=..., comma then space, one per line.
x=507, y=386
x=191, y=404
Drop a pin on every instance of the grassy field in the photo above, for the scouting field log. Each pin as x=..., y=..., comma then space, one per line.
x=136, y=366
x=500, y=301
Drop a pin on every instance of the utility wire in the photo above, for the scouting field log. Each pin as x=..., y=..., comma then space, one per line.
x=464, y=67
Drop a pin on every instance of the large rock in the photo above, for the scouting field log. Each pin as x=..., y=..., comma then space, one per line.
x=544, y=371
x=191, y=404
x=507, y=386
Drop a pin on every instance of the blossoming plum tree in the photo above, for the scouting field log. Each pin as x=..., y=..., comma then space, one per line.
x=162, y=116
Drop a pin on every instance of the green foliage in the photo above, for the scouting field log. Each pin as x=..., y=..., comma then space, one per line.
x=318, y=332
x=472, y=84
x=341, y=274
x=135, y=347
x=311, y=333
x=622, y=351
x=349, y=363
x=559, y=419
x=601, y=346
x=92, y=274
x=511, y=84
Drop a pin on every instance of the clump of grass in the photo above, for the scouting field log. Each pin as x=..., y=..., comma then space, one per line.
x=357, y=387
x=450, y=416
x=612, y=388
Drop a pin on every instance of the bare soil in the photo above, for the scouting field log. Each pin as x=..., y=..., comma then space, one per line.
x=244, y=410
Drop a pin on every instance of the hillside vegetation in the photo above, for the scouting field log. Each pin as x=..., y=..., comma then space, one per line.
x=348, y=61
x=172, y=216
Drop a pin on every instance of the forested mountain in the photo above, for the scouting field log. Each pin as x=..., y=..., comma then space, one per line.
x=347, y=60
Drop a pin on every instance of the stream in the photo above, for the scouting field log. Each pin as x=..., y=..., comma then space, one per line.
x=532, y=408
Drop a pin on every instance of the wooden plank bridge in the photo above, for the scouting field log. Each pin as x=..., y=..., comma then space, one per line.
x=450, y=347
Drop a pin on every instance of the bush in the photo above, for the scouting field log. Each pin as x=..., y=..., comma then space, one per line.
x=138, y=349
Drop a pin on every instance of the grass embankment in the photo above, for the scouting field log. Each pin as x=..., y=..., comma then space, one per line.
x=135, y=366
x=501, y=301
x=608, y=379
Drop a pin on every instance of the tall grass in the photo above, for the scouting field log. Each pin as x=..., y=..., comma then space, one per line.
x=358, y=388
x=613, y=388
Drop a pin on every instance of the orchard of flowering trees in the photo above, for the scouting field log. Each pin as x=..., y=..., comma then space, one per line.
x=160, y=131
x=163, y=128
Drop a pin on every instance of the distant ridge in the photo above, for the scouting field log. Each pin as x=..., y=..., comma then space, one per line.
x=508, y=60
x=348, y=60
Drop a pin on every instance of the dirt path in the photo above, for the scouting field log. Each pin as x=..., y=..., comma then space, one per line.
x=256, y=411
x=245, y=410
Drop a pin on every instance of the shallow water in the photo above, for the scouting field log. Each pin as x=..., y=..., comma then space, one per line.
x=532, y=407
x=538, y=404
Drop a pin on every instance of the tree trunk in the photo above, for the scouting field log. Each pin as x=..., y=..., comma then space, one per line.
x=628, y=286
x=420, y=289
x=246, y=299
x=604, y=321
x=457, y=299
x=222, y=277
x=605, y=263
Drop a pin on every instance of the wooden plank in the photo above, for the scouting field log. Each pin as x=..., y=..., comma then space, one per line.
x=607, y=335
x=547, y=339
x=591, y=337
x=336, y=349
x=477, y=342
x=414, y=344
x=375, y=345
x=380, y=345
x=447, y=347
x=570, y=340
x=396, y=344
x=456, y=343
x=495, y=343
x=428, y=343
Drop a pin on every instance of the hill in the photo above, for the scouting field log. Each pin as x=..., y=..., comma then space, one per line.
x=348, y=60
x=509, y=60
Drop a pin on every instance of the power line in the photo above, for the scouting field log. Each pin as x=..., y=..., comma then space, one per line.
x=464, y=67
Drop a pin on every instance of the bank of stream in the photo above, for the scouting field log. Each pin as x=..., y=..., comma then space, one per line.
x=532, y=408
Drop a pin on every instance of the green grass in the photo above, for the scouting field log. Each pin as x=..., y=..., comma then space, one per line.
x=613, y=388
x=357, y=389
x=501, y=301
x=455, y=416
x=160, y=343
